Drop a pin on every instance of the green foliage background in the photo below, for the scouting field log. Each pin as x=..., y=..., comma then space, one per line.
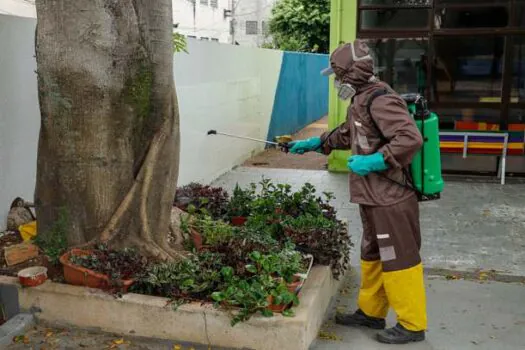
x=300, y=25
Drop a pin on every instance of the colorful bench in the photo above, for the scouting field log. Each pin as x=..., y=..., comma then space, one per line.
x=492, y=142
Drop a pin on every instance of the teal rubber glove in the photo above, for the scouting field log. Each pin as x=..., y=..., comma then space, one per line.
x=303, y=146
x=364, y=165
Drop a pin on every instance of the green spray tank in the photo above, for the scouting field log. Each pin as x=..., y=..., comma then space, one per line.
x=426, y=164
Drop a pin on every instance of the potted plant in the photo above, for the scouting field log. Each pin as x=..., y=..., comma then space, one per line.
x=287, y=267
x=214, y=200
x=281, y=299
x=244, y=297
x=326, y=240
x=102, y=268
x=208, y=232
x=190, y=279
x=240, y=205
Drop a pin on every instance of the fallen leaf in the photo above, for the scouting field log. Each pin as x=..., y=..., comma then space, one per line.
x=328, y=336
x=21, y=339
x=118, y=341
x=177, y=347
x=452, y=277
x=49, y=334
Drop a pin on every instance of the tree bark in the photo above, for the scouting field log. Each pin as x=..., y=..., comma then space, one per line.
x=108, y=150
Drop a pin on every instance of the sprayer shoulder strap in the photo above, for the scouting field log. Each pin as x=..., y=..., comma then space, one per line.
x=408, y=176
x=375, y=94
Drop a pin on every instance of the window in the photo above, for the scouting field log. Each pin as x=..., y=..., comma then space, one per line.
x=252, y=28
x=473, y=17
x=519, y=15
x=448, y=116
x=467, y=69
x=214, y=3
x=192, y=37
x=517, y=116
x=518, y=73
x=265, y=27
x=205, y=38
x=471, y=2
x=394, y=19
x=398, y=63
x=204, y=2
x=397, y=3
x=215, y=39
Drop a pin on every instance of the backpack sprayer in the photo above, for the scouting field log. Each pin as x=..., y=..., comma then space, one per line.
x=426, y=165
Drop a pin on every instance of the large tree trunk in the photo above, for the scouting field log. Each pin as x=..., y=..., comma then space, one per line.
x=109, y=140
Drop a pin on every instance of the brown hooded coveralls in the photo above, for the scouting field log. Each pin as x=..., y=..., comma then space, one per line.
x=392, y=273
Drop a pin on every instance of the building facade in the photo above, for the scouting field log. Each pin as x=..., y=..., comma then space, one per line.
x=250, y=21
x=203, y=19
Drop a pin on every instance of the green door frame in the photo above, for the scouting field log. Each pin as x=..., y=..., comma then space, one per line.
x=343, y=29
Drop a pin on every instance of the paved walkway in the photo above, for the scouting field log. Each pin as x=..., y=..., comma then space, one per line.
x=462, y=315
x=275, y=159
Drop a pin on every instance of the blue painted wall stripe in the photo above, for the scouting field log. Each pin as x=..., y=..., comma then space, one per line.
x=301, y=96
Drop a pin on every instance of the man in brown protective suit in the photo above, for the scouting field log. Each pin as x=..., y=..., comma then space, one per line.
x=383, y=139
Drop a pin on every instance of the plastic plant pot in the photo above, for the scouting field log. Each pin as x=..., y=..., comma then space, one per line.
x=239, y=220
x=80, y=276
x=32, y=276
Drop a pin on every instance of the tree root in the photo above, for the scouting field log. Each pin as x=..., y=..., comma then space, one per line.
x=145, y=241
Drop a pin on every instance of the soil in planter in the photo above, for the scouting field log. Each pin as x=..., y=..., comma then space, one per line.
x=54, y=272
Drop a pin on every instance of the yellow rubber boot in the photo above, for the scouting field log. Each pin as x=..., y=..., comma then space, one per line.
x=372, y=296
x=405, y=290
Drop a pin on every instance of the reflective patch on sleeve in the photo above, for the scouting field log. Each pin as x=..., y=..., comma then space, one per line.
x=387, y=253
x=363, y=141
x=385, y=236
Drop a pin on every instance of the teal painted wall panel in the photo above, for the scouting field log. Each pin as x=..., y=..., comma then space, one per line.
x=302, y=93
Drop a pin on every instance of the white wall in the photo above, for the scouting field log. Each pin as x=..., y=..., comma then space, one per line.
x=22, y=8
x=227, y=88
x=19, y=111
x=202, y=20
x=220, y=86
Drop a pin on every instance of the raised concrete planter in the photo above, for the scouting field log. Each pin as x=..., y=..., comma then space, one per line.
x=147, y=316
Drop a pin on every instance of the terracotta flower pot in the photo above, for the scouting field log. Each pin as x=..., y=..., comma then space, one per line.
x=275, y=308
x=32, y=276
x=295, y=287
x=80, y=276
x=196, y=237
x=239, y=220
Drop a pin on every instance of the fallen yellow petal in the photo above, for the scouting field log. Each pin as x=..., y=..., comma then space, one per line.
x=118, y=341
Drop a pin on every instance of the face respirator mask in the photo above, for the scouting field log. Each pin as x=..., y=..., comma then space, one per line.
x=344, y=91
